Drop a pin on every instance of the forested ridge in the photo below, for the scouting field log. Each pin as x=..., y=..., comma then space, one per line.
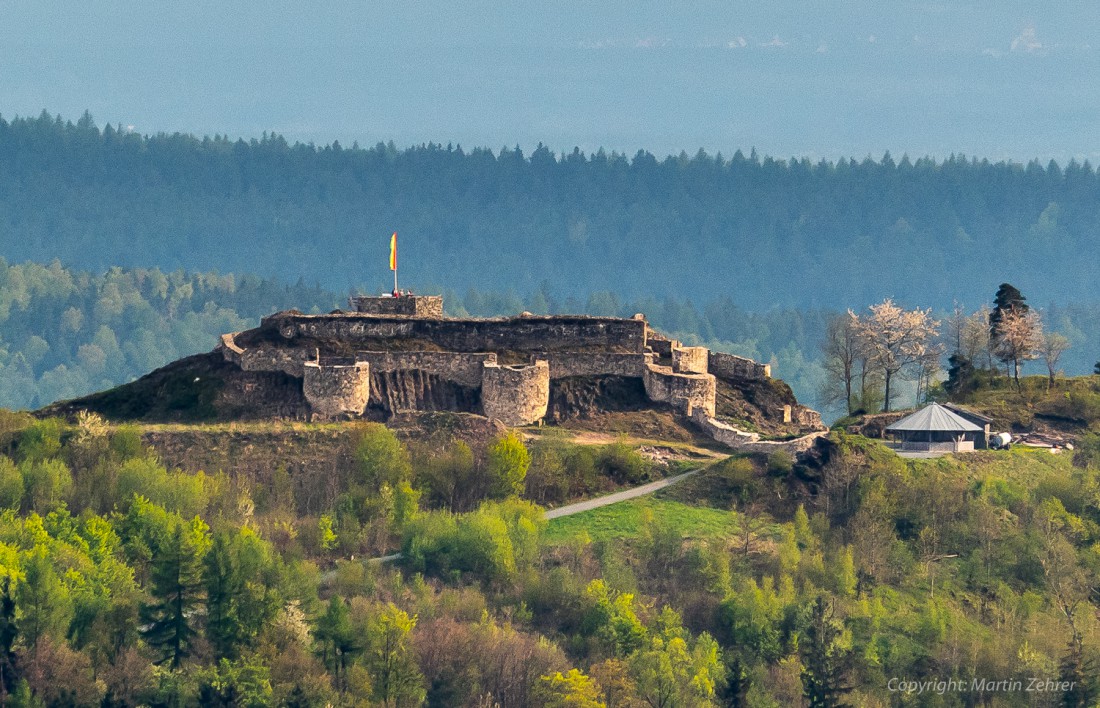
x=759, y=230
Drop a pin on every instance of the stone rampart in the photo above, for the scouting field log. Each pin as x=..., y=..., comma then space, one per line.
x=264, y=358
x=522, y=334
x=690, y=360
x=742, y=441
x=428, y=306
x=288, y=361
x=516, y=395
x=685, y=392
x=462, y=368
x=730, y=366
x=565, y=364
x=336, y=390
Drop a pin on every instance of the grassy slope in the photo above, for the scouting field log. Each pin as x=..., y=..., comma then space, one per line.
x=628, y=520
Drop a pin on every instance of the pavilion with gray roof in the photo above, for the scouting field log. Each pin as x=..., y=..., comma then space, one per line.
x=934, y=428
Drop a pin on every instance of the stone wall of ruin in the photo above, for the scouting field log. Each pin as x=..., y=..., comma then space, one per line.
x=729, y=366
x=565, y=364
x=516, y=395
x=462, y=368
x=685, y=392
x=521, y=334
x=430, y=306
x=336, y=391
x=742, y=441
x=690, y=360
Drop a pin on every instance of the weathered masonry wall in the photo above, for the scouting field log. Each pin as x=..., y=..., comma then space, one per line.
x=741, y=441
x=525, y=334
x=661, y=345
x=564, y=364
x=337, y=390
x=516, y=395
x=686, y=392
x=464, y=369
x=690, y=360
x=404, y=306
x=729, y=366
x=289, y=361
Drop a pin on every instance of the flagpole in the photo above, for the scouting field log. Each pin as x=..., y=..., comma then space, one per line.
x=395, y=291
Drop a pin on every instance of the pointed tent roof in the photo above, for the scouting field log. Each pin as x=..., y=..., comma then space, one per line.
x=936, y=418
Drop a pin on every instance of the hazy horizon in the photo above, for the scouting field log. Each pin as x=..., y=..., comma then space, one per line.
x=994, y=80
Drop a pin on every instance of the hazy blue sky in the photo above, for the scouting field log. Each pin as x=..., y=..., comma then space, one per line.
x=994, y=78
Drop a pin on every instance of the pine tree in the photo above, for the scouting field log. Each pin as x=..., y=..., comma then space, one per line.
x=176, y=590
x=8, y=632
x=824, y=664
x=1007, y=299
x=222, y=577
x=339, y=644
x=735, y=692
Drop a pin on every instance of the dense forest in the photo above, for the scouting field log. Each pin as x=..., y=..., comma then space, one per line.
x=123, y=583
x=761, y=231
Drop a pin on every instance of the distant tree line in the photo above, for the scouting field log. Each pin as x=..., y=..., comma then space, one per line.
x=764, y=231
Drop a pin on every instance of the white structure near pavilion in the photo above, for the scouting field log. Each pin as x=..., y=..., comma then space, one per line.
x=934, y=429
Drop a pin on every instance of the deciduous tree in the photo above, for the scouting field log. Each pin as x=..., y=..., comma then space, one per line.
x=1052, y=348
x=896, y=339
x=1018, y=337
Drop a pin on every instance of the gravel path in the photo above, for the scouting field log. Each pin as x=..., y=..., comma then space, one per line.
x=617, y=497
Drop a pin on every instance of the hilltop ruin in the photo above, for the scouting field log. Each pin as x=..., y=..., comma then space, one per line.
x=396, y=355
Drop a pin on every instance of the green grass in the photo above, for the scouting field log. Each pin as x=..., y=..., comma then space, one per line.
x=627, y=520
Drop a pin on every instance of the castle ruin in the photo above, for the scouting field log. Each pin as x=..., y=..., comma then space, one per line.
x=402, y=354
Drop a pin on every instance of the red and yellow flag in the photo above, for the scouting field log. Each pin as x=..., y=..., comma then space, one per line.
x=393, y=251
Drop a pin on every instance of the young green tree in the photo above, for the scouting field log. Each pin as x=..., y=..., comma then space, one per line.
x=176, y=589
x=11, y=484
x=396, y=678
x=508, y=463
x=42, y=600
x=381, y=457
x=569, y=690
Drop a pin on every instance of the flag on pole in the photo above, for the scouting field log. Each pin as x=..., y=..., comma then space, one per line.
x=393, y=252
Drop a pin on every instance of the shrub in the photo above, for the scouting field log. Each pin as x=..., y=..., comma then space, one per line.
x=46, y=484
x=381, y=457
x=11, y=484
x=623, y=464
x=42, y=440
